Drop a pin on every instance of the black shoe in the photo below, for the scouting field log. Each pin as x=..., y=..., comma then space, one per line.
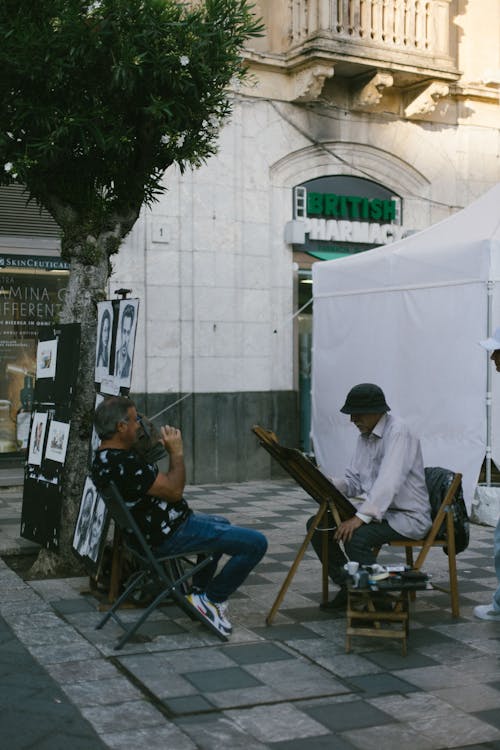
x=339, y=602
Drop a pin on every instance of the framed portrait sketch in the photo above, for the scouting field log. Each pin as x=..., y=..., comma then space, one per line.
x=125, y=341
x=46, y=359
x=37, y=437
x=91, y=526
x=103, y=344
x=57, y=441
x=95, y=439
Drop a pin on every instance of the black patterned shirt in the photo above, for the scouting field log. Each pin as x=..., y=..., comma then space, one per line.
x=157, y=518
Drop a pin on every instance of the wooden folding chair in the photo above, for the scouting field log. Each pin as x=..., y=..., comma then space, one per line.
x=163, y=576
x=441, y=534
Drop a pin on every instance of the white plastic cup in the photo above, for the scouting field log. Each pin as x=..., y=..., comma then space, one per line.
x=352, y=567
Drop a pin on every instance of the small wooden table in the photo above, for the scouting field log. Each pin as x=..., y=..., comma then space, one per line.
x=385, y=615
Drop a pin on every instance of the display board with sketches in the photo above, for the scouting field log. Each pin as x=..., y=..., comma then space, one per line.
x=57, y=358
x=56, y=371
x=114, y=357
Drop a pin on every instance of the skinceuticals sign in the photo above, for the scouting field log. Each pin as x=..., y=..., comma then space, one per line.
x=338, y=216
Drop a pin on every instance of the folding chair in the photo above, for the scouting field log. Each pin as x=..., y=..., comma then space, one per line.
x=441, y=534
x=165, y=575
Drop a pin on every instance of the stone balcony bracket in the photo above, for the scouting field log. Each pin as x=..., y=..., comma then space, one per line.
x=308, y=82
x=426, y=100
x=371, y=92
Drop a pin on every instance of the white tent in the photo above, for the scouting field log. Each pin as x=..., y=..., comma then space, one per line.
x=409, y=317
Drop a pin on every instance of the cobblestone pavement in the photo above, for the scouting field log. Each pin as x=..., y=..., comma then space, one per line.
x=289, y=686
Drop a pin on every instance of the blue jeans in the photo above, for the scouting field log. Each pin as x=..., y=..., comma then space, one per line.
x=214, y=534
x=496, y=596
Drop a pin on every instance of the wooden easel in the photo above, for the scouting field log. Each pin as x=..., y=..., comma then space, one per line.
x=319, y=487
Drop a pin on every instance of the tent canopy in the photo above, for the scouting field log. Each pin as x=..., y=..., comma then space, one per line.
x=408, y=316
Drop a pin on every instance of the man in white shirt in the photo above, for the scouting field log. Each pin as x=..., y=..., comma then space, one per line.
x=385, y=480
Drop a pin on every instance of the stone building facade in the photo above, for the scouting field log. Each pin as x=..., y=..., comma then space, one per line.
x=400, y=93
x=402, y=96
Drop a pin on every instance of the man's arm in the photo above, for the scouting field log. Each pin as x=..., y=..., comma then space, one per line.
x=170, y=486
x=351, y=486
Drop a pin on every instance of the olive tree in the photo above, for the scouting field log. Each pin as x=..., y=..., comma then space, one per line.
x=97, y=99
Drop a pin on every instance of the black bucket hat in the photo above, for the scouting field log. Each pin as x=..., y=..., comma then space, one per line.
x=365, y=398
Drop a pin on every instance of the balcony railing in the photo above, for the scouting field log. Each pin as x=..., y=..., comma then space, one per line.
x=413, y=26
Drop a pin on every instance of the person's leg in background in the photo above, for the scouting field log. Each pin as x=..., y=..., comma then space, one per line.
x=492, y=611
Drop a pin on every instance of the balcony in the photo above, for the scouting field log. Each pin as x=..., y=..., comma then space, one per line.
x=380, y=43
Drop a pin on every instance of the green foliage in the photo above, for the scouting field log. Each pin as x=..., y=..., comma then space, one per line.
x=98, y=98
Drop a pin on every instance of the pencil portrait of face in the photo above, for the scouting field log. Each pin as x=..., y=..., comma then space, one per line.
x=104, y=340
x=124, y=351
x=37, y=445
x=80, y=541
x=96, y=527
x=37, y=438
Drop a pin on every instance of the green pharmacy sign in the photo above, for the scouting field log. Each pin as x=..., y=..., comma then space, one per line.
x=339, y=215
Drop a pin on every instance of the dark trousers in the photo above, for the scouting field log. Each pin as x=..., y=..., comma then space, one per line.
x=360, y=548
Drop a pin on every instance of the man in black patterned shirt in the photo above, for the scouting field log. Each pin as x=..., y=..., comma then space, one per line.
x=157, y=504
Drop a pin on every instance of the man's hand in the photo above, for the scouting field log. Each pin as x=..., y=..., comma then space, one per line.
x=170, y=486
x=347, y=528
x=172, y=440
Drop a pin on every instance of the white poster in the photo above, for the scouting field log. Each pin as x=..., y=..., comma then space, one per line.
x=95, y=440
x=125, y=341
x=83, y=522
x=46, y=359
x=57, y=441
x=37, y=436
x=96, y=529
x=103, y=344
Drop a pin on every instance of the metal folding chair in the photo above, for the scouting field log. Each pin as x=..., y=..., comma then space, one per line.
x=163, y=575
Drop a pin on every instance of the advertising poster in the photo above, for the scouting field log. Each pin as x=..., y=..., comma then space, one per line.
x=31, y=296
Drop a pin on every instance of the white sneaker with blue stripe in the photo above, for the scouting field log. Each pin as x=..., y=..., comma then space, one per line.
x=215, y=612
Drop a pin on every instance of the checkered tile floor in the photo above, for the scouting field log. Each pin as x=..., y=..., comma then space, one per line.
x=291, y=686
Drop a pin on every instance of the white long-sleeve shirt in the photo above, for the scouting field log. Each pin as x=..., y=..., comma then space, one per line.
x=387, y=474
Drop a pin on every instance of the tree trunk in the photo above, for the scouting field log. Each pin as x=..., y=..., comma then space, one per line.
x=87, y=285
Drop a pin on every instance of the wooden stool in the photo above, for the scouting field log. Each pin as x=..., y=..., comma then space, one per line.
x=364, y=605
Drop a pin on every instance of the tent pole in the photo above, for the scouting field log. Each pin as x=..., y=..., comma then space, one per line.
x=490, y=286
